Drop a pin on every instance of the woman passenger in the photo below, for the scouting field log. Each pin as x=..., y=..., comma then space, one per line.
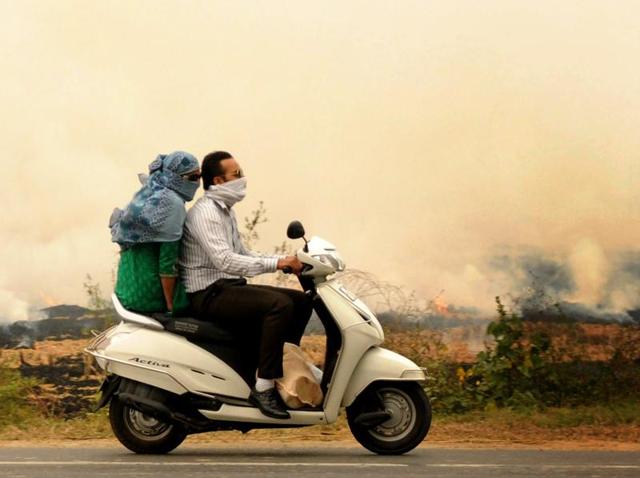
x=149, y=230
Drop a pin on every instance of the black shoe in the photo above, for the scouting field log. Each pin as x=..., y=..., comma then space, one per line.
x=268, y=403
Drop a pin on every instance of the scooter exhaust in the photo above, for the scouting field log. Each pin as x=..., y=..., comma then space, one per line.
x=372, y=419
x=159, y=404
x=144, y=398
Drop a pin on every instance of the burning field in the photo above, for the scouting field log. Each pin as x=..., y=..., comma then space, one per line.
x=68, y=379
x=65, y=383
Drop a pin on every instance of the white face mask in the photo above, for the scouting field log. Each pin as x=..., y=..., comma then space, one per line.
x=230, y=192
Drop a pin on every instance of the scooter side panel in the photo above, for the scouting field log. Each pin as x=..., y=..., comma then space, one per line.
x=380, y=364
x=194, y=368
x=357, y=337
x=150, y=377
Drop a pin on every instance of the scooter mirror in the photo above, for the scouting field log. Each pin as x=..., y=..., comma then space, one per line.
x=295, y=230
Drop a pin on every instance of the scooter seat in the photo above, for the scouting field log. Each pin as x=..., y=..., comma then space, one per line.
x=197, y=329
x=192, y=329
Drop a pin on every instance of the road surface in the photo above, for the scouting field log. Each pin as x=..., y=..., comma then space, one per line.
x=324, y=462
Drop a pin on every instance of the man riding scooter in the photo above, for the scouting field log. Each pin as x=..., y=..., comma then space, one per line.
x=170, y=377
x=213, y=265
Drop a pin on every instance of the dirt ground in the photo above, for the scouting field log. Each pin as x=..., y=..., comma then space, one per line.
x=439, y=437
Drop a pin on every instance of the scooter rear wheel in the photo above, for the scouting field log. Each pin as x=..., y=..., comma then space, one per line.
x=142, y=433
x=408, y=425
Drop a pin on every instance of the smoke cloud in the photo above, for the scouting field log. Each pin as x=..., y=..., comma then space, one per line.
x=12, y=308
x=623, y=285
x=591, y=270
x=587, y=281
x=465, y=147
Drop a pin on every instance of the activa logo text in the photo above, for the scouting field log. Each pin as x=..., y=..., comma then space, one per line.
x=149, y=362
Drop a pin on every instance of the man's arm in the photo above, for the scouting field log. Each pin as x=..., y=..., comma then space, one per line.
x=291, y=262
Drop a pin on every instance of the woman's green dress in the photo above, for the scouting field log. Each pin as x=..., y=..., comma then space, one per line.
x=138, y=285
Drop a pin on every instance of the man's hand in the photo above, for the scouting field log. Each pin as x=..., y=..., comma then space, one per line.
x=292, y=262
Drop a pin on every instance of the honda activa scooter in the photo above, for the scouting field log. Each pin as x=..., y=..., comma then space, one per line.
x=168, y=378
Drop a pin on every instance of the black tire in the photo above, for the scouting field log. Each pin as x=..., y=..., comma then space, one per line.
x=408, y=425
x=141, y=433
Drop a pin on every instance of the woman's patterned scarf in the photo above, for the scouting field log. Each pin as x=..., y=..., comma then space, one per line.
x=156, y=213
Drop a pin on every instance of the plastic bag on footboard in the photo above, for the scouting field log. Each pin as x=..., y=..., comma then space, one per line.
x=298, y=387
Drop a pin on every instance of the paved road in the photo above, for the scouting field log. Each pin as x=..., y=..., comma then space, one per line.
x=311, y=462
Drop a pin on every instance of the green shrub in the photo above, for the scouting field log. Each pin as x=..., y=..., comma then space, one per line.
x=516, y=371
x=525, y=370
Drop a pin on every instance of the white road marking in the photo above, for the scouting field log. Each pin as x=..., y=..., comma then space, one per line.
x=590, y=466
x=533, y=465
x=197, y=463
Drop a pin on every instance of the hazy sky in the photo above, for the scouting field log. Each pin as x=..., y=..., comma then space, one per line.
x=420, y=137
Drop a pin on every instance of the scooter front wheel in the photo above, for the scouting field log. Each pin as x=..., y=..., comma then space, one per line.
x=142, y=433
x=409, y=411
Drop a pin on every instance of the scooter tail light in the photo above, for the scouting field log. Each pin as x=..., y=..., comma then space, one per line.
x=103, y=340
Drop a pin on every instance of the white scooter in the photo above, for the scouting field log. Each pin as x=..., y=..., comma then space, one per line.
x=167, y=379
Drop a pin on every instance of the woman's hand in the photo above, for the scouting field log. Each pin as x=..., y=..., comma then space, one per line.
x=168, y=288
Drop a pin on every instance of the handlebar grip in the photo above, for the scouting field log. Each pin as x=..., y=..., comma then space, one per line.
x=287, y=270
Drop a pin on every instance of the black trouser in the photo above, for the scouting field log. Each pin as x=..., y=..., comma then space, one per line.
x=260, y=314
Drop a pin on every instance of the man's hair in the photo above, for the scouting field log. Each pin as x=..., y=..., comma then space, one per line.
x=211, y=167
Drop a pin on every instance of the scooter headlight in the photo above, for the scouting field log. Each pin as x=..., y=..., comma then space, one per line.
x=330, y=260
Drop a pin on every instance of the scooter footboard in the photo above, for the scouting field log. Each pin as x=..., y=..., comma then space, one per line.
x=379, y=364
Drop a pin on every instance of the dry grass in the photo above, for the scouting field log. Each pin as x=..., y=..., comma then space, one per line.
x=45, y=352
x=460, y=344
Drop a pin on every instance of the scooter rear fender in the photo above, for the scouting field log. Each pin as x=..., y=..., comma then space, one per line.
x=379, y=364
x=107, y=390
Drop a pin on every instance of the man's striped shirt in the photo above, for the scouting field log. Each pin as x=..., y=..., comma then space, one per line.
x=212, y=248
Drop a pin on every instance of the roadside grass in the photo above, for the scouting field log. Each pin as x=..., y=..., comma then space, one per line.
x=38, y=427
x=22, y=416
x=15, y=407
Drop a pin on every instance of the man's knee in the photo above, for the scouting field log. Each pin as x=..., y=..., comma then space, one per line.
x=283, y=305
x=304, y=305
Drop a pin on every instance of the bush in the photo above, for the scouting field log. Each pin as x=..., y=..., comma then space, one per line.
x=534, y=365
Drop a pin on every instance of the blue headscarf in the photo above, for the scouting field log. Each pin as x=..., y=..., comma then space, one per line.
x=156, y=213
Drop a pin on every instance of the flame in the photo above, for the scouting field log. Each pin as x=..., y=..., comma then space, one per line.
x=440, y=306
x=48, y=300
